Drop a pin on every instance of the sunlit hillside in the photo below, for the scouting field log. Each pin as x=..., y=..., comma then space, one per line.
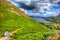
x=20, y=25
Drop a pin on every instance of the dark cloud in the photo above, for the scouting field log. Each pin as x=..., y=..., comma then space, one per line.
x=25, y=6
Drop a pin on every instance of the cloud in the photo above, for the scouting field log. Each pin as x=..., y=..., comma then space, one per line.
x=43, y=7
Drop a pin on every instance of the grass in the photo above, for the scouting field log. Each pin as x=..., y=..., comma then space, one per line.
x=32, y=30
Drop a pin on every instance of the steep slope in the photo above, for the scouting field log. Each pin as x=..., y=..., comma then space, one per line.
x=10, y=7
x=14, y=19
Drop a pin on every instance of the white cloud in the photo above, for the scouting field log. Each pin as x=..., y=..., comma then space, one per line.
x=42, y=7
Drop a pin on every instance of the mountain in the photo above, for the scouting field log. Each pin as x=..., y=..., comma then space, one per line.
x=54, y=19
x=12, y=18
x=55, y=22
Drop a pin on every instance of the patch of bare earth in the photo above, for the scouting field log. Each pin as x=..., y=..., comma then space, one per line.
x=5, y=38
x=11, y=33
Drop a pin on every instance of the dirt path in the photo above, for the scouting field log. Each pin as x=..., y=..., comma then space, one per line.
x=11, y=33
x=16, y=31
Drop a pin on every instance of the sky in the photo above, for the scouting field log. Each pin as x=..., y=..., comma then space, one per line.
x=52, y=7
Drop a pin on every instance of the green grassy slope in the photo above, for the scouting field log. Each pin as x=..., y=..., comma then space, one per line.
x=31, y=30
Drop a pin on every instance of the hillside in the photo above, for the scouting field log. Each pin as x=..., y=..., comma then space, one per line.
x=55, y=22
x=54, y=19
x=11, y=19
